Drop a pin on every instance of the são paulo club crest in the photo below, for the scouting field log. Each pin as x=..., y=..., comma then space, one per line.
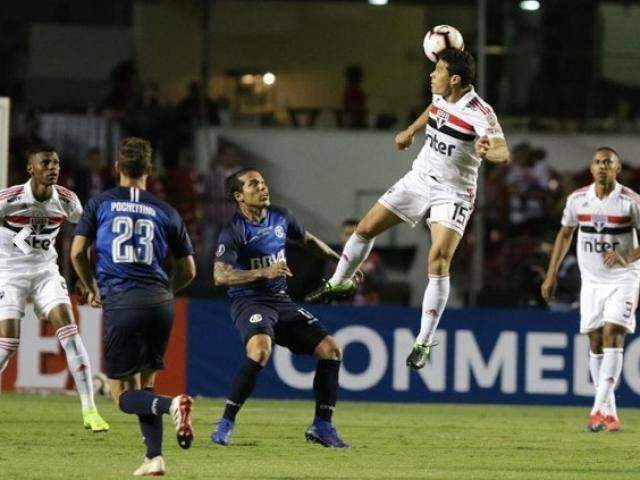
x=38, y=224
x=599, y=222
x=441, y=118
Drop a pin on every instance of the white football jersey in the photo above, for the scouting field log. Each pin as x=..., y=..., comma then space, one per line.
x=29, y=227
x=448, y=154
x=607, y=224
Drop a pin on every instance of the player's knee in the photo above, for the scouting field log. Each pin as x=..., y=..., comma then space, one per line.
x=328, y=350
x=365, y=230
x=439, y=261
x=259, y=352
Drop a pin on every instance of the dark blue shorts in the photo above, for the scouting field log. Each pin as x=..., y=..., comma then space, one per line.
x=288, y=324
x=136, y=338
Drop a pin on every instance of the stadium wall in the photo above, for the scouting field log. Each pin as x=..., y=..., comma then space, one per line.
x=325, y=176
x=484, y=356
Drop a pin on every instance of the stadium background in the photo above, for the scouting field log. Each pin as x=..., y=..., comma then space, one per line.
x=311, y=92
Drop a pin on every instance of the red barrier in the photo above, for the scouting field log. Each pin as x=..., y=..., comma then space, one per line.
x=42, y=369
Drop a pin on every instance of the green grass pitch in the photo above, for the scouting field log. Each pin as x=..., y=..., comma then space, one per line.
x=41, y=437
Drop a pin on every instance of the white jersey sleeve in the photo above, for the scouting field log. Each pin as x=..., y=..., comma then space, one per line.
x=70, y=203
x=487, y=124
x=569, y=216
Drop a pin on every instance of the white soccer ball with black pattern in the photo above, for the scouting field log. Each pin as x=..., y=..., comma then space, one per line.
x=439, y=38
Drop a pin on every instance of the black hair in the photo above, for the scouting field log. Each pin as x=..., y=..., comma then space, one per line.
x=609, y=149
x=459, y=62
x=233, y=184
x=38, y=148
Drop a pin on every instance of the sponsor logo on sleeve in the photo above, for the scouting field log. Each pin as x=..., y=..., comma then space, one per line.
x=221, y=250
x=255, y=318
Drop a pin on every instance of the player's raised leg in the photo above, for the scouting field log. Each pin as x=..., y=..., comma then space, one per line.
x=355, y=251
x=613, y=345
x=78, y=363
x=325, y=386
x=444, y=242
x=258, y=350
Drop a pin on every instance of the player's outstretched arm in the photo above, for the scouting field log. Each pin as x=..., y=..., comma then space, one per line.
x=495, y=150
x=560, y=249
x=185, y=272
x=226, y=276
x=320, y=248
x=80, y=248
x=405, y=137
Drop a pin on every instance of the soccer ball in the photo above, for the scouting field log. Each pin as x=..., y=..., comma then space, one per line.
x=439, y=38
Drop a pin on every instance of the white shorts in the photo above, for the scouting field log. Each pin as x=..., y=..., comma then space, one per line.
x=414, y=194
x=602, y=303
x=46, y=289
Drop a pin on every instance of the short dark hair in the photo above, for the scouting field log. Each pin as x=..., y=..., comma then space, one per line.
x=459, y=62
x=38, y=148
x=233, y=184
x=134, y=156
x=609, y=149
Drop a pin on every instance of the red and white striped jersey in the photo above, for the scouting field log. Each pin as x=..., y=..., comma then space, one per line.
x=29, y=227
x=448, y=154
x=603, y=225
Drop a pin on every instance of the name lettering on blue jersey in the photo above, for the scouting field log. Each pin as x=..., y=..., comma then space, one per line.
x=133, y=208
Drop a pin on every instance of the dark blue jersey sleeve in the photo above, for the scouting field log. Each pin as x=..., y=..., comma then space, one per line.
x=88, y=224
x=179, y=241
x=295, y=230
x=228, y=245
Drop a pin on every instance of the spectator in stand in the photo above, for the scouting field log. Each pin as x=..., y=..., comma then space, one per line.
x=528, y=184
x=354, y=99
x=182, y=193
x=93, y=177
x=122, y=90
x=218, y=209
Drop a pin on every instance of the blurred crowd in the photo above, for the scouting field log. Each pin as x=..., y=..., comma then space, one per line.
x=522, y=216
x=524, y=204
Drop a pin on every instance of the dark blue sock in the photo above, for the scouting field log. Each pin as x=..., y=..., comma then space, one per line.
x=143, y=402
x=151, y=428
x=325, y=386
x=243, y=384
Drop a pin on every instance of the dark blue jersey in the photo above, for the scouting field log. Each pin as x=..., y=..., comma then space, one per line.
x=133, y=232
x=248, y=246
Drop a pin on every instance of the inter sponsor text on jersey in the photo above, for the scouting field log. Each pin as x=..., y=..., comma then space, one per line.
x=247, y=246
x=29, y=227
x=448, y=154
x=133, y=232
x=607, y=224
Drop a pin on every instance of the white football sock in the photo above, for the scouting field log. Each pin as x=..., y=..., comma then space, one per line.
x=8, y=348
x=595, y=361
x=78, y=363
x=609, y=375
x=355, y=251
x=433, y=303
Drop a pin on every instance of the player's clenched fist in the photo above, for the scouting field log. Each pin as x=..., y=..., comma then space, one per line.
x=404, y=139
x=277, y=269
x=612, y=258
x=482, y=146
x=548, y=289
